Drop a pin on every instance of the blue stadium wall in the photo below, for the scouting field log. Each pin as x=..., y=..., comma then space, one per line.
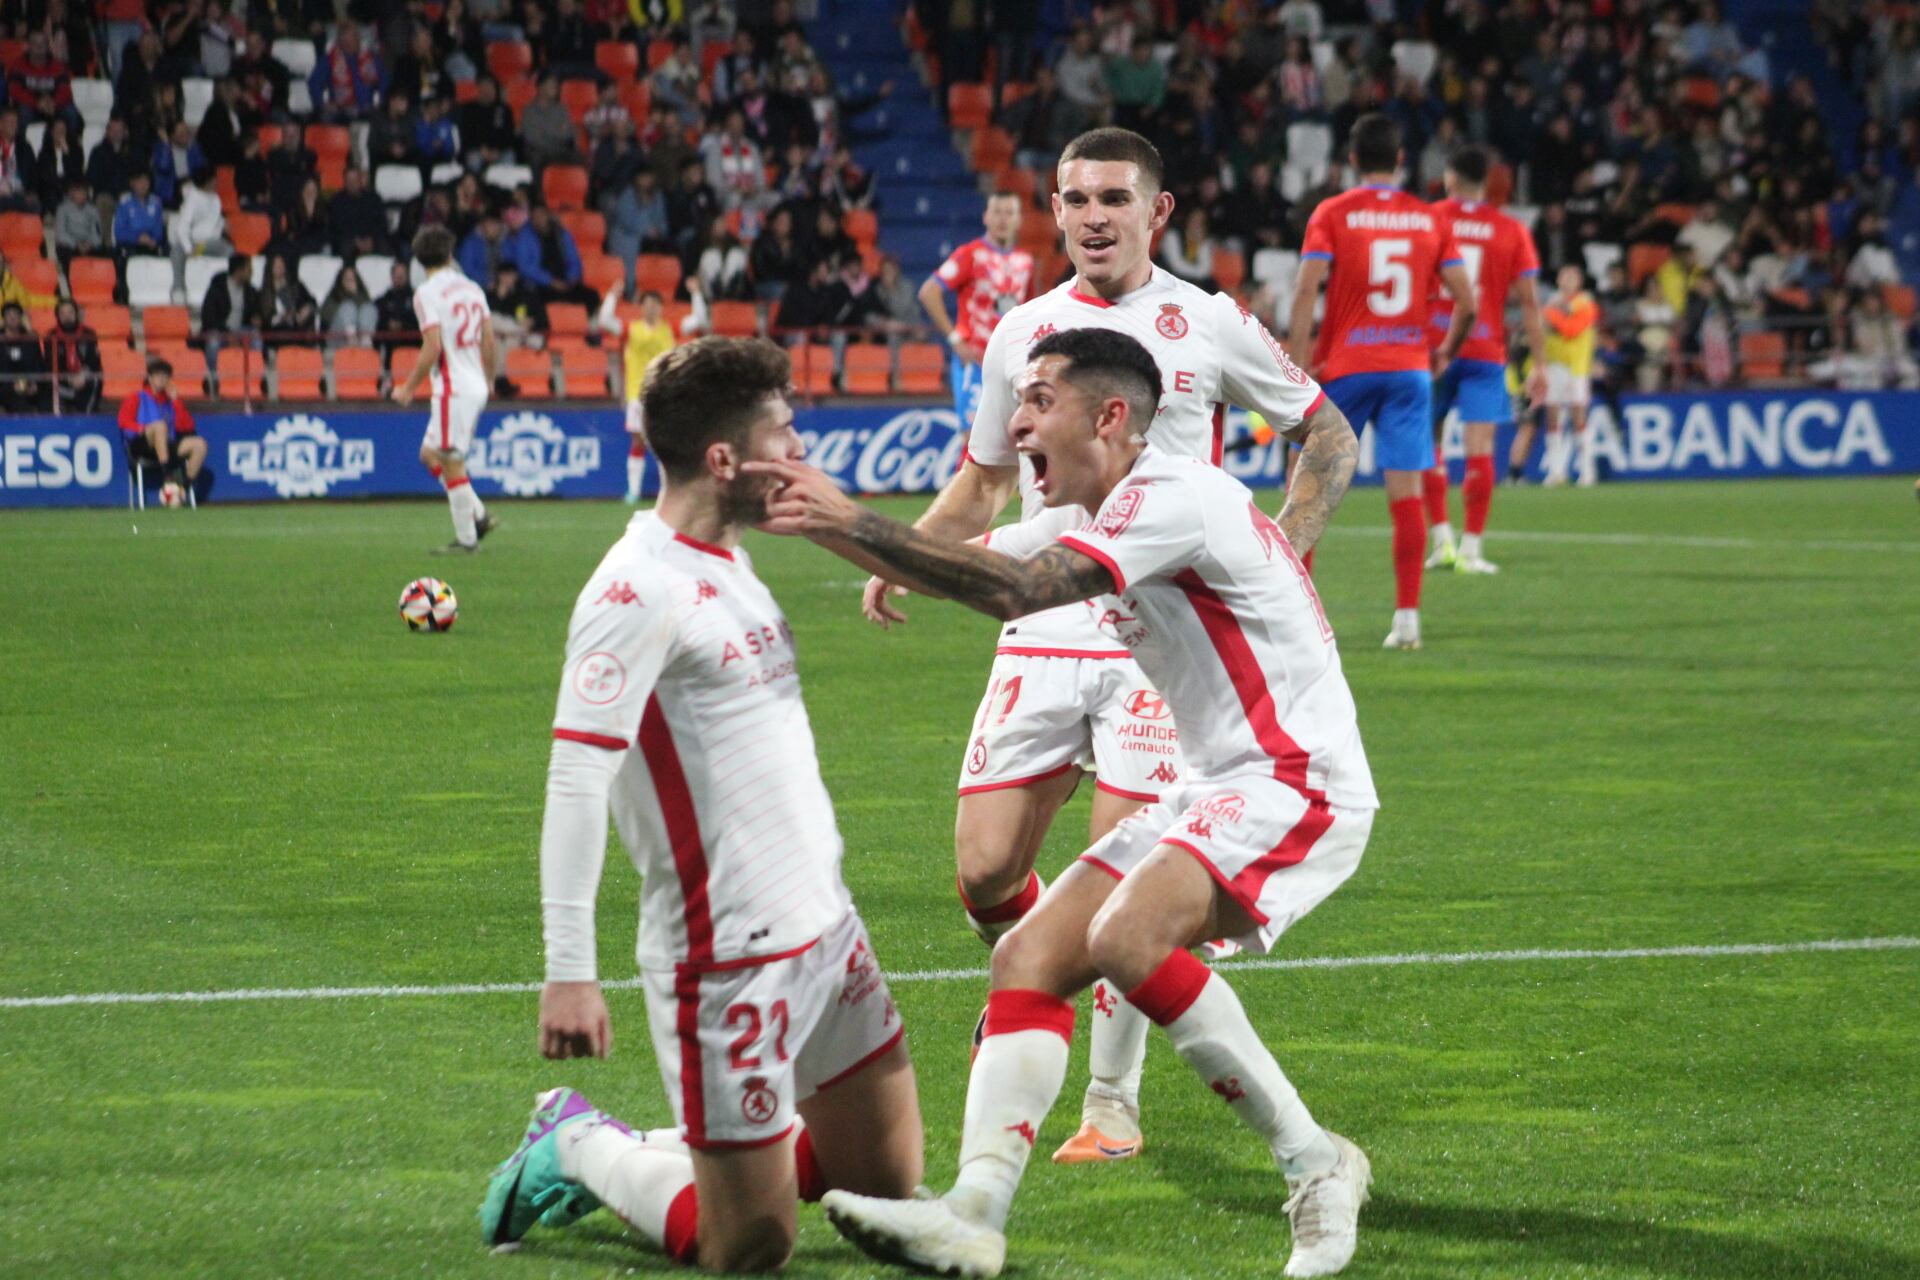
x=529, y=452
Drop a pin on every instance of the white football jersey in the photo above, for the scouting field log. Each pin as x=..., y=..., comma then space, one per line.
x=1212, y=353
x=456, y=306
x=1221, y=616
x=678, y=656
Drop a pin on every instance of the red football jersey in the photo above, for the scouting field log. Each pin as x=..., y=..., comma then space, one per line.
x=1496, y=250
x=987, y=282
x=1387, y=249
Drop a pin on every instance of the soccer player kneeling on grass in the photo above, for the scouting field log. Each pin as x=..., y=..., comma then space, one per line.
x=776, y=1038
x=1210, y=596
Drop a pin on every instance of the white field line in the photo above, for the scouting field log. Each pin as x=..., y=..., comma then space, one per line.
x=1498, y=534
x=1408, y=958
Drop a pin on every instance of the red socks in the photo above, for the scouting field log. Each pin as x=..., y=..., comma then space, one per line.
x=1009, y=912
x=1478, y=491
x=1409, y=551
x=683, y=1228
x=1434, y=482
x=813, y=1182
x=1170, y=990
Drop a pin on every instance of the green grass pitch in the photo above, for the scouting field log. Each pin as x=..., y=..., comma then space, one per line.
x=1683, y=714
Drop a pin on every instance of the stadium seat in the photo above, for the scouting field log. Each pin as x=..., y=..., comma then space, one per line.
x=465, y=91
x=1599, y=255
x=1414, y=59
x=657, y=271
x=588, y=229
x=969, y=105
x=41, y=319
x=93, y=99
x=300, y=99
x=710, y=55
x=397, y=183
x=564, y=186
x=735, y=319
x=1643, y=260
x=531, y=373
x=517, y=94
x=637, y=98
x=1763, y=355
x=583, y=370
x=22, y=235
x=923, y=368
x=196, y=95
x=123, y=370
x=91, y=281
x=578, y=97
x=507, y=176
x=400, y=362
x=189, y=367
x=201, y=273
x=376, y=272
x=1702, y=92
x=618, y=61
x=602, y=271
x=992, y=150
x=658, y=51
x=242, y=373
x=1229, y=269
x=226, y=184
x=1310, y=146
x=1500, y=184
x=269, y=135
x=676, y=315
x=1900, y=300
x=1679, y=213
x=297, y=373
x=812, y=368
x=1019, y=181
x=318, y=271
x=249, y=232
x=113, y=324
x=149, y=281
x=861, y=224
x=509, y=60
x=164, y=324
x=356, y=373
x=567, y=320
x=297, y=56
x=869, y=369
x=329, y=140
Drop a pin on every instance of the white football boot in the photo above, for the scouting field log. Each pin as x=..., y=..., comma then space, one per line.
x=1406, y=630
x=1475, y=564
x=930, y=1234
x=1325, y=1211
x=1445, y=555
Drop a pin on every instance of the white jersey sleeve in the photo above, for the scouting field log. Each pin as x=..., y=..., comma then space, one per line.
x=988, y=443
x=617, y=645
x=1145, y=527
x=1255, y=371
x=1035, y=534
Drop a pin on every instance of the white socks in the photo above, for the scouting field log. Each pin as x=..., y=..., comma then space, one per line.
x=1118, y=1048
x=1469, y=546
x=1016, y=1077
x=635, y=1176
x=466, y=508
x=636, y=468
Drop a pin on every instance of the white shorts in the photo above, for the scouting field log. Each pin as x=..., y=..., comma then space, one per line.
x=1268, y=847
x=739, y=1048
x=1043, y=716
x=1566, y=391
x=451, y=425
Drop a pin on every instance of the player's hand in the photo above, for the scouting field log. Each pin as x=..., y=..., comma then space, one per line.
x=573, y=1021
x=970, y=353
x=1440, y=363
x=1537, y=385
x=807, y=501
x=879, y=609
x=403, y=394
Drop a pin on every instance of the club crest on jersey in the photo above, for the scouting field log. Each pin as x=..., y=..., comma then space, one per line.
x=1144, y=704
x=757, y=1102
x=600, y=678
x=1120, y=511
x=977, y=758
x=1171, y=325
x=1103, y=1001
x=1044, y=331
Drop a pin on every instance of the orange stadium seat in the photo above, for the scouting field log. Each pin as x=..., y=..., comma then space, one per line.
x=969, y=105
x=356, y=373
x=329, y=140
x=637, y=98
x=658, y=51
x=509, y=60
x=992, y=150
x=22, y=235
x=869, y=369
x=249, y=232
x=189, y=368
x=1014, y=90
x=1229, y=269
x=400, y=362
x=1500, y=184
x=269, y=137
x=567, y=320
x=465, y=91
x=91, y=280
x=1017, y=180
x=578, y=97
x=123, y=371
x=36, y=273
x=676, y=314
x=583, y=370
x=1900, y=300
x=227, y=185
x=657, y=271
x=297, y=373
x=564, y=186
x=617, y=60
x=241, y=373
x=862, y=224
x=602, y=271
x=588, y=229
x=517, y=94
x=164, y=324
x=1763, y=355
x=923, y=368
x=813, y=368
x=1678, y=212
x=41, y=319
x=114, y=324
x=1643, y=260
x=531, y=373
x=735, y=319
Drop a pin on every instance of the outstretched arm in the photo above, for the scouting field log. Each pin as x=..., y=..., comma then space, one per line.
x=1329, y=451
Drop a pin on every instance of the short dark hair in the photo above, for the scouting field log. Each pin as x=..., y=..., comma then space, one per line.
x=1471, y=163
x=1107, y=362
x=708, y=391
x=652, y=293
x=1003, y=193
x=1375, y=144
x=159, y=365
x=1111, y=143
x=433, y=247
x=238, y=262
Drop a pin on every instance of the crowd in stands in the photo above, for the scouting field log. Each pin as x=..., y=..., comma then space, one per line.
x=1723, y=228
x=227, y=181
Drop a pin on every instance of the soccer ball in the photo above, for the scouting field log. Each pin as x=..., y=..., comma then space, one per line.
x=172, y=495
x=427, y=604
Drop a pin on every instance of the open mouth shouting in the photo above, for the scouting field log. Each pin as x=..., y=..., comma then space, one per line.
x=1038, y=461
x=1097, y=248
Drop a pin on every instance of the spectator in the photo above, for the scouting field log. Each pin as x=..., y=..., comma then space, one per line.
x=347, y=80
x=221, y=34
x=391, y=138
x=40, y=85
x=546, y=130
x=1708, y=235
x=252, y=179
x=73, y=357
x=1043, y=122
x=1301, y=20
x=157, y=427
x=1300, y=89
x=691, y=205
x=200, y=228
x=110, y=164
x=356, y=217
x=1137, y=85
x=639, y=223
x=487, y=135
x=665, y=143
x=1657, y=320
x=304, y=228
x=348, y=314
x=287, y=311
x=1188, y=252
x=19, y=173
x=175, y=158
x=231, y=306
x=24, y=385
x=1880, y=352
x=394, y=318
x=776, y=260
x=468, y=206
x=139, y=222
x=1873, y=264
x=435, y=140
x=139, y=72
x=897, y=296
x=828, y=242
x=417, y=72
x=735, y=165
x=721, y=264
x=484, y=249
x=605, y=114
x=77, y=229
x=741, y=60
x=289, y=167
x=569, y=42
x=264, y=80
x=545, y=252
x=847, y=185
x=615, y=161
x=519, y=315
x=227, y=121
x=61, y=161
x=812, y=301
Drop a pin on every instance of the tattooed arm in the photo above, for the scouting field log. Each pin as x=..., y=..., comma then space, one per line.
x=1329, y=452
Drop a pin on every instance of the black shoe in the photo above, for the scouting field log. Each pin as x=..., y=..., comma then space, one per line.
x=457, y=549
x=485, y=525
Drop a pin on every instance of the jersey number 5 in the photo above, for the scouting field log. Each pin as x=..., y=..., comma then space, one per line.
x=467, y=318
x=1389, y=277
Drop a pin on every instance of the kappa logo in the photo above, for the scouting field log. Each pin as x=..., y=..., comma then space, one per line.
x=1024, y=1129
x=1200, y=827
x=301, y=457
x=1120, y=510
x=977, y=758
x=1228, y=1089
x=1145, y=704
x=705, y=591
x=1044, y=331
x=619, y=593
x=1171, y=325
x=757, y=1102
x=1164, y=773
x=1103, y=1000
x=528, y=456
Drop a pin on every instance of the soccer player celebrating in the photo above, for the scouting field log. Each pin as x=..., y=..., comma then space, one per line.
x=679, y=703
x=1063, y=689
x=1271, y=817
x=1383, y=254
x=988, y=278
x=1497, y=252
x=457, y=356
